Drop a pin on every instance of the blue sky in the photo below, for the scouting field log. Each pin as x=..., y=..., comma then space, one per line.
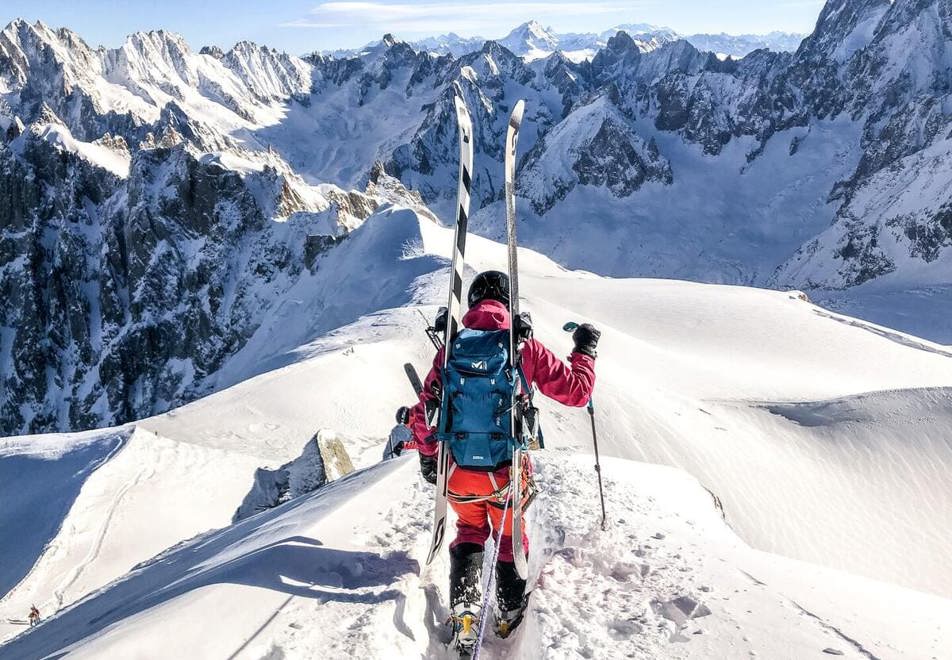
x=300, y=26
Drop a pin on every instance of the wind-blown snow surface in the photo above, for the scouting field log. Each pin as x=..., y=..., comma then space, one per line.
x=824, y=438
x=338, y=574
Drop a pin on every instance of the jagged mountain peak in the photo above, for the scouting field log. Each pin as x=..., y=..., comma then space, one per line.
x=531, y=40
x=843, y=28
x=639, y=29
x=21, y=34
x=158, y=41
x=212, y=51
x=23, y=27
x=533, y=28
x=621, y=42
x=620, y=53
x=388, y=48
x=245, y=46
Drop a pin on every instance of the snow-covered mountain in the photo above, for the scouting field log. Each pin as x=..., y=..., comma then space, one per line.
x=739, y=45
x=162, y=205
x=223, y=256
x=532, y=40
x=788, y=515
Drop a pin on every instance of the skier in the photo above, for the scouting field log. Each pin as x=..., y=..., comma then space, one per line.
x=34, y=616
x=478, y=495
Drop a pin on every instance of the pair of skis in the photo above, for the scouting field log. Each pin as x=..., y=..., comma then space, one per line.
x=454, y=307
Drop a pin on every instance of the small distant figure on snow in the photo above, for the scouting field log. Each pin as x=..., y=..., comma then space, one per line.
x=34, y=616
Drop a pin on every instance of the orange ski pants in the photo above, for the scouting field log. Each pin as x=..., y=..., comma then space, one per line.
x=477, y=519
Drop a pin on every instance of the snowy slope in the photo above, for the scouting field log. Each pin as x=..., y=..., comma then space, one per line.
x=150, y=493
x=339, y=574
x=814, y=451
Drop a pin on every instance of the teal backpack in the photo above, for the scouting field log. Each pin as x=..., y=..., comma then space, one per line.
x=478, y=387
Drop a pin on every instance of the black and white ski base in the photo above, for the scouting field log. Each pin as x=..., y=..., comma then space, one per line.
x=512, y=137
x=454, y=306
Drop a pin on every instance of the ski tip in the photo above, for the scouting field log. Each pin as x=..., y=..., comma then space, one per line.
x=515, y=119
x=462, y=116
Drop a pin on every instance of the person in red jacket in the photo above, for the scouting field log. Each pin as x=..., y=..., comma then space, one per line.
x=477, y=496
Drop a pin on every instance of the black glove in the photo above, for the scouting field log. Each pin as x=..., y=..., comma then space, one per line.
x=428, y=468
x=440, y=323
x=403, y=415
x=586, y=339
x=523, y=326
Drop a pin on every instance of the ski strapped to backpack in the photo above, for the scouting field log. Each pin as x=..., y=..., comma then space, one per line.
x=454, y=306
x=521, y=443
x=414, y=378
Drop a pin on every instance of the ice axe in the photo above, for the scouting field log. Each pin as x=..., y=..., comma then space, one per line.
x=570, y=327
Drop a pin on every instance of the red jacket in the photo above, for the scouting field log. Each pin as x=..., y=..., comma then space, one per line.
x=569, y=385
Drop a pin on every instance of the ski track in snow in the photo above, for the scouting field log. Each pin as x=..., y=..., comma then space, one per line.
x=891, y=335
x=839, y=633
x=50, y=547
x=96, y=547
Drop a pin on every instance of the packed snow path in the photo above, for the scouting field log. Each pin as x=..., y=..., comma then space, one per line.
x=338, y=574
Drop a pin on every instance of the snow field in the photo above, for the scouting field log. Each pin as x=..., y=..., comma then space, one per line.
x=824, y=438
x=690, y=373
x=335, y=573
x=150, y=494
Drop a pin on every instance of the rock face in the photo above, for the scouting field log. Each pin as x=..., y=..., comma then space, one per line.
x=125, y=294
x=140, y=251
x=323, y=460
x=598, y=148
x=154, y=200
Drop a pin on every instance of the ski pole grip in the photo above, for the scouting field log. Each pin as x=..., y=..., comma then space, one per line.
x=570, y=326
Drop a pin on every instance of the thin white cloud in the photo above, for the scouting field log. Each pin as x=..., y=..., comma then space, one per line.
x=803, y=3
x=440, y=17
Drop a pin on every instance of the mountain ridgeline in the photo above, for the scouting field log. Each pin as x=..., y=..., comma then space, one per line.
x=158, y=202
x=533, y=40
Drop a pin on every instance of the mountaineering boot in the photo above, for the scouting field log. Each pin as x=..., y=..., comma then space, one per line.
x=511, y=598
x=466, y=562
x=465, y=628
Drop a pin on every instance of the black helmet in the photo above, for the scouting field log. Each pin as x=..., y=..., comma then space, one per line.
x=492, y=285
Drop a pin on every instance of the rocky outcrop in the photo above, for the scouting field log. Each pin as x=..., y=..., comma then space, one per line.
x=323, y=460
x=122, y=295
x=595, y=146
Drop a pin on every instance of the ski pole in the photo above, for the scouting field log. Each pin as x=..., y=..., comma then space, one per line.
x=570, y=327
